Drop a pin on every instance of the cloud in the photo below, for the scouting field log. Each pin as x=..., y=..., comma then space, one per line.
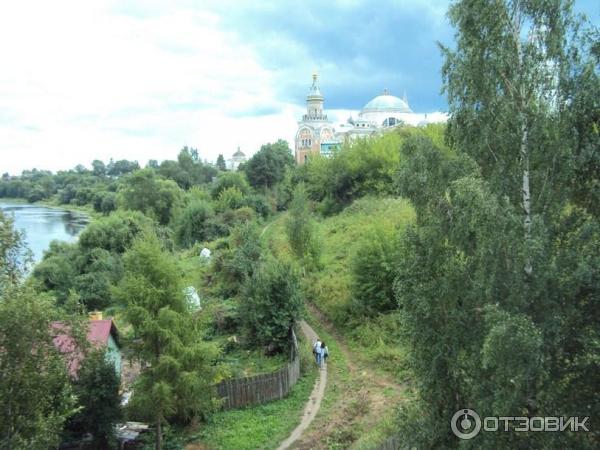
x=139, y=79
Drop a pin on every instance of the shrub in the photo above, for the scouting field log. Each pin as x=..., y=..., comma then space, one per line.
x=272, y=302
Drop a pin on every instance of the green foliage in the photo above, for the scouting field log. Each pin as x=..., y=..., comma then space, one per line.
x=229, y=198
x=461, y=269
x=14, y=255
x=192, y=225
x=121, y=167
x=374, y=270
x=144, y=191
x=34, y=387
x=57, y=271
x=93, y=264
x=176, y=383
x=221, y=163
x=114, y=233
x=262, y=426
x=358, y=169
x=267, y=167
x=332, y=287
x=272, y=302
x=188, y=170
x=301, y=231
x=229, y=180
x=236, y=264
x=97, y=390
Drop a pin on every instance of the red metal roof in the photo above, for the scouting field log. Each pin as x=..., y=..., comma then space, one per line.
x=97, y=335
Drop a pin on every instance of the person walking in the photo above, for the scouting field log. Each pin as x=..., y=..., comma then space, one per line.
x=325, y=352
x=316, y=351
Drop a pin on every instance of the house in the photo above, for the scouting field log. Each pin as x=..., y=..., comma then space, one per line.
x=100, y=334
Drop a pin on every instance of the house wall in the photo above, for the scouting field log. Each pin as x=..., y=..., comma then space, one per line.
x=113, y=354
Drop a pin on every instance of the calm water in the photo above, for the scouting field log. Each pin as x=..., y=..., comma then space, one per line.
x=43, y=225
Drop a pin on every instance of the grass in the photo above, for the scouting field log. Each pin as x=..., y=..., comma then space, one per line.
x=330, y=289
x=257, y=427
x=346, y=415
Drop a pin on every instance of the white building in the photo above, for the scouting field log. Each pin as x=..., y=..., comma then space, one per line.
x=238, y=158
x=317, y=135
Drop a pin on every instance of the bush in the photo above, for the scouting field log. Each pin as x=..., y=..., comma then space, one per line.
x=272, y=302
x=228, y=180
x=193, y=224
x=97, y=389
x=373, y=271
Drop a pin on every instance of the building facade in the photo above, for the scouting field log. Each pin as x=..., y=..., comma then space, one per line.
x=234, y=162
x=316, y=134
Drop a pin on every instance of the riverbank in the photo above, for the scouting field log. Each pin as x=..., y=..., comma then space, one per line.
x=86, y=210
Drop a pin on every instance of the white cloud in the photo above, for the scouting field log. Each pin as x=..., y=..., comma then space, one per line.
x=80, y=81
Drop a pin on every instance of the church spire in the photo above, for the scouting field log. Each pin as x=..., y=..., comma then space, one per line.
x=314, y=93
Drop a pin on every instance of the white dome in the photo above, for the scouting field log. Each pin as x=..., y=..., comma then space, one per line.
x=386, y=103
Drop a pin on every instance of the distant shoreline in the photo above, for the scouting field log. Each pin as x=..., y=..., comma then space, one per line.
x=81, y=210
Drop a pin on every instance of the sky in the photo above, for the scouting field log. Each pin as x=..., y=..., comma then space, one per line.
x=138, y=80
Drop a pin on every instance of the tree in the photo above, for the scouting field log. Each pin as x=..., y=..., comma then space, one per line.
x=374, y=266
x=144, y=191
x=267, y=167
x=272, y=303
x=14, y=255
x=98, y=168
x=121, y=167
x=193, y=224
x=179, y=366
x=35, y=390
x=97, y=390
x=509, y=84
x=229, y=180
x=237, y=264
x=115, y=232
x=221, y=163
x=482, y=274
x=300, y=230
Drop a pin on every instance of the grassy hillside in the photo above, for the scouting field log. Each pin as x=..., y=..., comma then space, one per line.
x=330, y=289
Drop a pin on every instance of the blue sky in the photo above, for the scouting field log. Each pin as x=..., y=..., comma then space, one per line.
x=140, y=79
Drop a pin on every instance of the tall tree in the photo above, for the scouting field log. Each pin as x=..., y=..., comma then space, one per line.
x=272, y=303
x=179, y=365
x=509, y=81
x=97, y=390
x=35, y=390
x=494, y=318
x=267, y=167
x=144, y=191
x=221, y=163
x=300, y=229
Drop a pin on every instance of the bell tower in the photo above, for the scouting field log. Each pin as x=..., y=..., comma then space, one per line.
x=314, y=102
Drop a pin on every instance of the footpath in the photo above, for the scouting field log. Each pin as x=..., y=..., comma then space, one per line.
x=314, y=401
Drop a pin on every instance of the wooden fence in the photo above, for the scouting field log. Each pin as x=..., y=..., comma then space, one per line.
x=240, y=392
x=391, y=443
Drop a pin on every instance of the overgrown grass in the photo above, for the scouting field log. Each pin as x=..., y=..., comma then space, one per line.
x=257, y=427
x=330, y=289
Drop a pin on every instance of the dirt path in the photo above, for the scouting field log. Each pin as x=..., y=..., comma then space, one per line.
x=314, y=402
x=367, y=397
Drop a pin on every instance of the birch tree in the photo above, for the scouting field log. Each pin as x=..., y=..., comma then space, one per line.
x=508, y=89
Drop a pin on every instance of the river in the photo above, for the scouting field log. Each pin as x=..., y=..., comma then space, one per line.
x=42, y=225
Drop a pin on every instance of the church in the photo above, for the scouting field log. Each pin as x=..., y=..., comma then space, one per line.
x=317, y=135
